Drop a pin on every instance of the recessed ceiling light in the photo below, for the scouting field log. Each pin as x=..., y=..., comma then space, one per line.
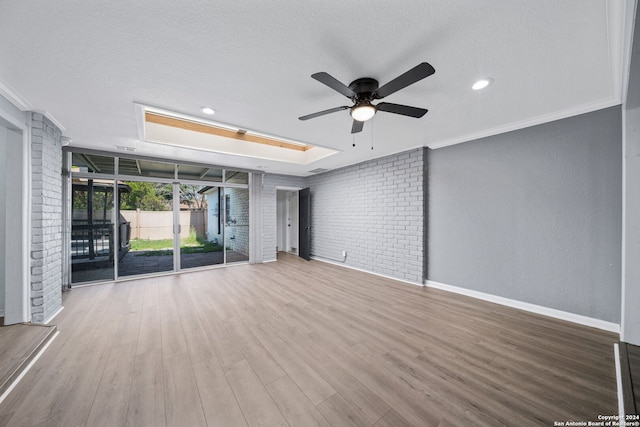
x=208, y=110
x=481, y=84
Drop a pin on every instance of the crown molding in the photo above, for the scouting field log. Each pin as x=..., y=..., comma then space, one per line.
x=14, y=97
x=22, y=104
x=533, y=121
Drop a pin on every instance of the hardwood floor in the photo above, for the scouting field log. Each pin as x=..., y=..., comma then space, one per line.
x=19, y=344
x=297, y=343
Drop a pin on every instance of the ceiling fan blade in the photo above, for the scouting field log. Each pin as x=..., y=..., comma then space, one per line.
x=333, y=83
x=322, y=113
x=415, y=74
x=357, y=126
x=405, y=110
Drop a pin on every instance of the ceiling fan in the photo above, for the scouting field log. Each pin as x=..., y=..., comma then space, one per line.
x=365, y=90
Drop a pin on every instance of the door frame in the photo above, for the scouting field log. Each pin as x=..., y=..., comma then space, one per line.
x=17, y=272
x=287, y=232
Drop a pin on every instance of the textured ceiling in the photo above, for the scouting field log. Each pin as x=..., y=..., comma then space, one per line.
x=86, y=63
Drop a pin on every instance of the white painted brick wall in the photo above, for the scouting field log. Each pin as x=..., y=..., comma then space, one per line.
x=375, y=211
x=269, y=210
x=46, y=218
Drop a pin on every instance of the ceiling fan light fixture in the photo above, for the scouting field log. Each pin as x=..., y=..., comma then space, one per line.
x=208, y=110
x=363, y=111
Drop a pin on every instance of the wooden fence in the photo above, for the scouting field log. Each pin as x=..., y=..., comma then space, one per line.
x=158, y=225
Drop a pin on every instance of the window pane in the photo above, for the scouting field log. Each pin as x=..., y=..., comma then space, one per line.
x=201, y=236
x=90, y=163
x=199, y=173
x=236, y=229
x=146, y=209
x=147, y=168
x=234, y=177
x=92, y=234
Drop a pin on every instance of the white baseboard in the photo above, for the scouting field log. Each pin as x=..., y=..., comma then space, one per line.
x=533, y=308
x=46, y=322
x=339, y=264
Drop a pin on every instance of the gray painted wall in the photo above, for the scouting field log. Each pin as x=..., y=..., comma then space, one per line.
x=533, y=215
x=631, y=322
x=374, y=211
x=269, y=210
x=631, y=315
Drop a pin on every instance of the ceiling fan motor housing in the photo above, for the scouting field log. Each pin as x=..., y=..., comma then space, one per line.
x=364, y=88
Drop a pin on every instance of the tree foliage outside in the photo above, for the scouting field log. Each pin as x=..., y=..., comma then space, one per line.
x=189, y=196
x=101, y=199
x=147, y=196
x=153, y=196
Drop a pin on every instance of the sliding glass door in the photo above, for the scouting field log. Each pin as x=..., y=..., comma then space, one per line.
x=214, y=216
x=92, y=230
x=93, y=249
x=136, y=216
x=147, y=211
x=236, y=224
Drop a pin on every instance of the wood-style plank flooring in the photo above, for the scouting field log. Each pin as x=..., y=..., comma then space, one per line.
x=19, y=344
x=297, y=343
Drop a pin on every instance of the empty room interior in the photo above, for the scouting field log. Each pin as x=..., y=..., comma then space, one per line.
x=339, y=213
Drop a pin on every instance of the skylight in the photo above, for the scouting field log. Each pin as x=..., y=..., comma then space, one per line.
x=170, y=128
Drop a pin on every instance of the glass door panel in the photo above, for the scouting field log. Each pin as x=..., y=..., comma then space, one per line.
x=146, y=215
x=236, y=224
x=201, y=226
x=93, y=247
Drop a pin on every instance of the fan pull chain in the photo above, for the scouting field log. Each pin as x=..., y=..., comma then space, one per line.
x=372, y=134
x=353, y=138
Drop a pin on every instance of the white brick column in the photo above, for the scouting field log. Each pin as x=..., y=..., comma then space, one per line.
x=46, y=218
